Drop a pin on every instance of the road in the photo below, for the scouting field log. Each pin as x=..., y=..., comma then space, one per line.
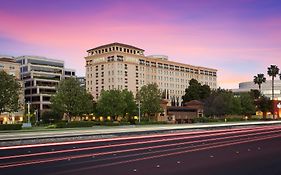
x=250, y=150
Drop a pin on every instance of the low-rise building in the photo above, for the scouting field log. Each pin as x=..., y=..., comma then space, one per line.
x=10, y=66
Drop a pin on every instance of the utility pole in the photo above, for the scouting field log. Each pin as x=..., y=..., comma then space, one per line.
x=139, y=112
x=28, y=112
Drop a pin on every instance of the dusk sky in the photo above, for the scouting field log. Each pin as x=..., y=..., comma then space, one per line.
x=240, y=38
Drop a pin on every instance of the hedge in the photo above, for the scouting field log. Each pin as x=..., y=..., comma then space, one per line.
x=151, y=123
x=10, y=126
x=77, y=124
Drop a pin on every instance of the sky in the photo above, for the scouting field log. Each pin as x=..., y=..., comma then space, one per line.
x=239, y=38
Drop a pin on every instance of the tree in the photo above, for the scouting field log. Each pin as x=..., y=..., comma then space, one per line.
x=196, y=91
x=51, y=116
x=205, y=91
x=9, y=93
x=150, y=97
x=264, y=105
x=116, y=103
x=130, y=104
x=222, y=102
x=216, y=104
x=255, y=94
x=272, y=71
x=259, y=79
x=193, y=91
x=71, y=99
x=247, y=104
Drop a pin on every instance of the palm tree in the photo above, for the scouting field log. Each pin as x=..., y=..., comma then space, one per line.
x=272, y=71
x=259, y=79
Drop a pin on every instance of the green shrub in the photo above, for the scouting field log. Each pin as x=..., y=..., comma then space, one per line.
x=151, y=123
x=10, y=126
x=77, y=124
x=206, y=120
x=235, y=119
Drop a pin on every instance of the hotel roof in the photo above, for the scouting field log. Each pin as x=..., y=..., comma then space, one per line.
x=116, y=43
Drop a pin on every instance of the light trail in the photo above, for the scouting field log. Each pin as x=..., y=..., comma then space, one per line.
x=123, y=138
x=14, y=164
x=168, y=154
x=133, y=143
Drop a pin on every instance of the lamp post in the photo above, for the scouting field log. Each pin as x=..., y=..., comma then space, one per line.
x=36, y=115
x=139, y=112
x=28, y=112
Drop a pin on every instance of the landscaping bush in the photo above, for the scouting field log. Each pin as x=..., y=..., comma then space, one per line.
x=10, y=126
x=235, y=119
x=206, y=120
x=151, y=123
x=77, y=124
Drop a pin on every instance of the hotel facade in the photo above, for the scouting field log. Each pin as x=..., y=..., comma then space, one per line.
x=122, y=66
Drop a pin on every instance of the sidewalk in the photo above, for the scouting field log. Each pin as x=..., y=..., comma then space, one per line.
x=117, y=130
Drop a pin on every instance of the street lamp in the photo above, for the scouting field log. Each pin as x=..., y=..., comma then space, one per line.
x=28, y=112
x=36, y=115
x=139, y=112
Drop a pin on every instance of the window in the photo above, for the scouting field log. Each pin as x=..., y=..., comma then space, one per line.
x=119, y=58
x=142, y=62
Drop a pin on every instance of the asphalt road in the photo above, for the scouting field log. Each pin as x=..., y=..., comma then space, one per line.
x=254, y=150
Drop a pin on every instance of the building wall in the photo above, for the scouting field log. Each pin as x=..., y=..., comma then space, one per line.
x=10, y=66
x=121, y=66
x=265, y=88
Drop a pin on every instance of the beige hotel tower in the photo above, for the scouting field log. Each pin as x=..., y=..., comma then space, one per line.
x=122, y=66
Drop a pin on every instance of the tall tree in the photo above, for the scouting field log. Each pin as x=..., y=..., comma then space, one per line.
x=264, y=105
x=71, y=99
x=272, y=71
x=111, y=103
x=193, y=91
x=9, y=93
x=205, y=91
x=116, y=103
x=247, y=104
x=255, y=94
x=196, y=91
x=259, y=79
x=150, y=97
x=130, y=104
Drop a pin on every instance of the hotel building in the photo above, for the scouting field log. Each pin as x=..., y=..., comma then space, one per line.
x=41, y=76
x=122, y=66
